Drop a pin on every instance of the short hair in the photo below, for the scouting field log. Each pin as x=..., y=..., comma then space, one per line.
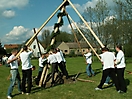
x=119, y=46
x=105, y=49
x=25, y=48
x=14, y=50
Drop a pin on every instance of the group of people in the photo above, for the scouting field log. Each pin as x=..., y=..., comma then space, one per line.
x=114, y=68
x=26, y=71
x=55, y=58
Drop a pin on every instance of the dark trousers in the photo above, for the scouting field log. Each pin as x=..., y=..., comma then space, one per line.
x=39, y=75
x=109, y=72
x=62, y=67
x=53, y=70
x=120, y=78
x=26, y=78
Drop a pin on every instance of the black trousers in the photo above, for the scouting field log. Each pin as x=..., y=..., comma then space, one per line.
x=120, y=78
x=63, y=69
x=109, y=72
x=26, y=78
x=53, y=70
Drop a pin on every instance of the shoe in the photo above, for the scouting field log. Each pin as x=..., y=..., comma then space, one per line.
x=88, y=76
x=119, y=91
x=98, y=88
x=106, y=84
x=93, y=75
x=22, y=93
x=9, y=97
x=27, y=93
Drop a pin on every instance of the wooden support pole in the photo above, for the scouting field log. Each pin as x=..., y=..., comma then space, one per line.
x=44, y=75
x=75, y=35
x=37, y=42
x=56, y=29
x=86, y=24
x=84, y=37
x=33, y=37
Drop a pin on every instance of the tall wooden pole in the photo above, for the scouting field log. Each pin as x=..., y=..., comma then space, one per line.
x=84, y=37
x=86, y=24
x=33, y=37
x=56, y=29
x=37, y=42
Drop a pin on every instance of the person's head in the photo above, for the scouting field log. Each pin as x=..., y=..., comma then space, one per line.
x=14, y=51
x=58, y=50
x=25, y=48
x=87, y=50
x=118, y=47
x=105, y=49
x=43, y=55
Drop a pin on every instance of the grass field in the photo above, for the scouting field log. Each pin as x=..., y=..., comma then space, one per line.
x=75, y=90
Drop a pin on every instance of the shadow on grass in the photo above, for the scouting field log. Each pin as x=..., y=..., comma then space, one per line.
x=97, y=71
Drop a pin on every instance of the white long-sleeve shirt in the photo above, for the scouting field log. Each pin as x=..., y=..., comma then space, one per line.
x=52, y=59
x=41, y=60
x=88, y=58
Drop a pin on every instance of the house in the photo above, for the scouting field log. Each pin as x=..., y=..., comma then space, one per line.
x=67, y=48
x=35, y=47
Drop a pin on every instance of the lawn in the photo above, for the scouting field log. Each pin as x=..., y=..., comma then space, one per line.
x=74, y=90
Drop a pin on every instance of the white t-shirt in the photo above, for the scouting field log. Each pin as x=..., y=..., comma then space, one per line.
x=88, y=58
x=108, y=60
x=52, y=59
x=41, y=60
x=120, y=57
x=58, y=57
x=14, y=64
x=25, y=59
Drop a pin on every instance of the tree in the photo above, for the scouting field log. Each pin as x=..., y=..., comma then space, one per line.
x=46, y=37
x=2, y=50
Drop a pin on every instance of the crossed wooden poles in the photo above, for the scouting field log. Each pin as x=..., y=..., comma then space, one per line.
x=62, y=7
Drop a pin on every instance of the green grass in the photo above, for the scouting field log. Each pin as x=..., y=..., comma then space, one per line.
x=76, y=90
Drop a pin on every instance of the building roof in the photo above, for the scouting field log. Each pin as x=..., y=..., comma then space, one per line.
x=11, y=46
x=75, y=45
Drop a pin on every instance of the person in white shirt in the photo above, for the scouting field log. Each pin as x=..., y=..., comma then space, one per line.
x=120, y=68
x=26, y=69
x=89, y=69
x=42, y=63
x=15, y=76
x=51, y=59
x=107, y=59
x=61, y=62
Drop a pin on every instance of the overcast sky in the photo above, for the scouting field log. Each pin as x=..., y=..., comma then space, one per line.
x=19, y=17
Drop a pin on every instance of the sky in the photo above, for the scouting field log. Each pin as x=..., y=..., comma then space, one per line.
x=19, y=17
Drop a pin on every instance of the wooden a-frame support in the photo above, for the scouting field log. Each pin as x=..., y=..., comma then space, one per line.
x=55, y=30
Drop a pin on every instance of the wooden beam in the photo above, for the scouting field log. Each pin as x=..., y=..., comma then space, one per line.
x=33, y=37
x=84, y=37
x=86, y=24
x=37, y=42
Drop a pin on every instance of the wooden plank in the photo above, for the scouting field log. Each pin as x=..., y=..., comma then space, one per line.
x=86, y=24
x=84, y=37
x=33, y=37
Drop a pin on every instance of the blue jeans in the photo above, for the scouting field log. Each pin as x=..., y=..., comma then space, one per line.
x=15, y=76
x=107, y=79
x=89, y=70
